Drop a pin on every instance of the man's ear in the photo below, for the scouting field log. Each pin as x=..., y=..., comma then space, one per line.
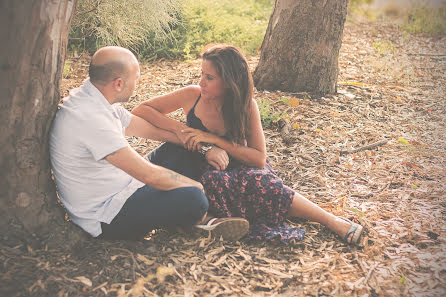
x=118, y=84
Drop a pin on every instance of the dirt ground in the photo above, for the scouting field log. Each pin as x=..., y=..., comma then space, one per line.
x=391, y=95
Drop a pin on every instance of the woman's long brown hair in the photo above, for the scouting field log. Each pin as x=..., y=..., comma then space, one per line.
x=233, y=69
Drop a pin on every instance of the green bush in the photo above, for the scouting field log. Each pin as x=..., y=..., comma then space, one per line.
x=268, y=116
x=416, y=18
x=241, y=23
x=359, y=10
x=128, y=23
x=422, y=19
x=199, y=22
x=383, y=47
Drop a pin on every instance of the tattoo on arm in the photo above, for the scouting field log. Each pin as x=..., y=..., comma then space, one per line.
x=173, y=175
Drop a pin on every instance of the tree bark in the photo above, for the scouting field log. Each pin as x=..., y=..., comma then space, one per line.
x=300, y=49
x=34, y=40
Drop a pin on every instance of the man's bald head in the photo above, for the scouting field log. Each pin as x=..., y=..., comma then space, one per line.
x=109, y=63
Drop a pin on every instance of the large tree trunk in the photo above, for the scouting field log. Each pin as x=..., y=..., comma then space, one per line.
x=34, y=39
x=300, y=49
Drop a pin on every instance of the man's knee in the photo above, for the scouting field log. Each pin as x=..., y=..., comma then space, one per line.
x=197, y=202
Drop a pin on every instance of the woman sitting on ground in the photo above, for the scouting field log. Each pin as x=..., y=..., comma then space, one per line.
x=224, y=148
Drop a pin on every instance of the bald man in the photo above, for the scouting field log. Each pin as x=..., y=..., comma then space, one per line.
x=107, y=188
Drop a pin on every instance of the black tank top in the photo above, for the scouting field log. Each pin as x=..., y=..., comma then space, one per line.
x=193, y=121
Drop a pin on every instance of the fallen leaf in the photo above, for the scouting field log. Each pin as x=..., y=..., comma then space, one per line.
x=294, y=102
x=144, y=259
x=85, y=280
x=354, y=83
x=138, y=288
x=162, y=272
x=402, y=140
x=403, y=279
x=357, y=211
x=121, y=291
x=286, y=100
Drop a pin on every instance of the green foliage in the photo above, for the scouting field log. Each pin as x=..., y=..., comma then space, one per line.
x=285, y=100
x=242, y=23
x=360, y=10
x=128, y=23
x=403, y=279
x=357, y=5
x=267, y=115
x=422, y=19
x=383, y=47
x=66, y=69
x=187, y=28
x=417, y=17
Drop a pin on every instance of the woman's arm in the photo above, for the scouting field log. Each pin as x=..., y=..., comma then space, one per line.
x=254, y=154
x=141, y=128
x=155, y=109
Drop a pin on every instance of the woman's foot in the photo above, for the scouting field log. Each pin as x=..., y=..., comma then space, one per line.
x=231, y=229
x=349, y=231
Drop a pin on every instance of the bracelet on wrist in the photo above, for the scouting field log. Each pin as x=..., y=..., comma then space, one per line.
x=205, y=147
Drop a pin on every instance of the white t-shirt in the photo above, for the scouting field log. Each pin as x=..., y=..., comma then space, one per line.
x=85, y=130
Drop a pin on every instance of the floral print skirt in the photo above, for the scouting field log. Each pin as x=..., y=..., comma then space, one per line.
x=257, y=195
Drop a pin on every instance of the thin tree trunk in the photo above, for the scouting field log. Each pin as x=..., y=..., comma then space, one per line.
x=34, y=40
x=300, y=49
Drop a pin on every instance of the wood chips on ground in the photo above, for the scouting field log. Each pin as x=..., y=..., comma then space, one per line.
x=392, y=99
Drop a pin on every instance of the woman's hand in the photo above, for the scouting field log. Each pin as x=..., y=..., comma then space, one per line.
x=193, y=138
x=217, y=158
x=181, y=135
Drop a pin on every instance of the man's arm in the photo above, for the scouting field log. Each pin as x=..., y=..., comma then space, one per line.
x=155, y=109
x=141, y=128
x=128, y=160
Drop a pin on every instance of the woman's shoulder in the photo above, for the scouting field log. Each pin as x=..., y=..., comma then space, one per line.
x=193, y=90
x=191, y=94
x=254, y=105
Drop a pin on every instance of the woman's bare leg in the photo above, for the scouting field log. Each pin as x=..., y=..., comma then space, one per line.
x=303, y=208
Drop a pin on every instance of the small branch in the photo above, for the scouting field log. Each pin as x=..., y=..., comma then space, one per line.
x=366, y=147
x=369, y=274
x=376, y=192
x=431, y=55
x=96, y=7
x=11, y=250
x=85, y=12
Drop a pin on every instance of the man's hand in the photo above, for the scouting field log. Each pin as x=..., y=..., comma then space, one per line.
x=194, y=137
x=128, y=160
x=217, y=158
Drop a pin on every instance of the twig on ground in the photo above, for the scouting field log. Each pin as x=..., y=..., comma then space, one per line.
x=364, y=148
x=420, y=54
x=369, y=274
x=376, y=192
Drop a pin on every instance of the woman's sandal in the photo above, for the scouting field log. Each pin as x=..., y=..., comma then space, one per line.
x=355, y=229
x=231, y=229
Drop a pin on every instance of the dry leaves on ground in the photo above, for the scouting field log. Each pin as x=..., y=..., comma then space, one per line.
x=394, y=101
